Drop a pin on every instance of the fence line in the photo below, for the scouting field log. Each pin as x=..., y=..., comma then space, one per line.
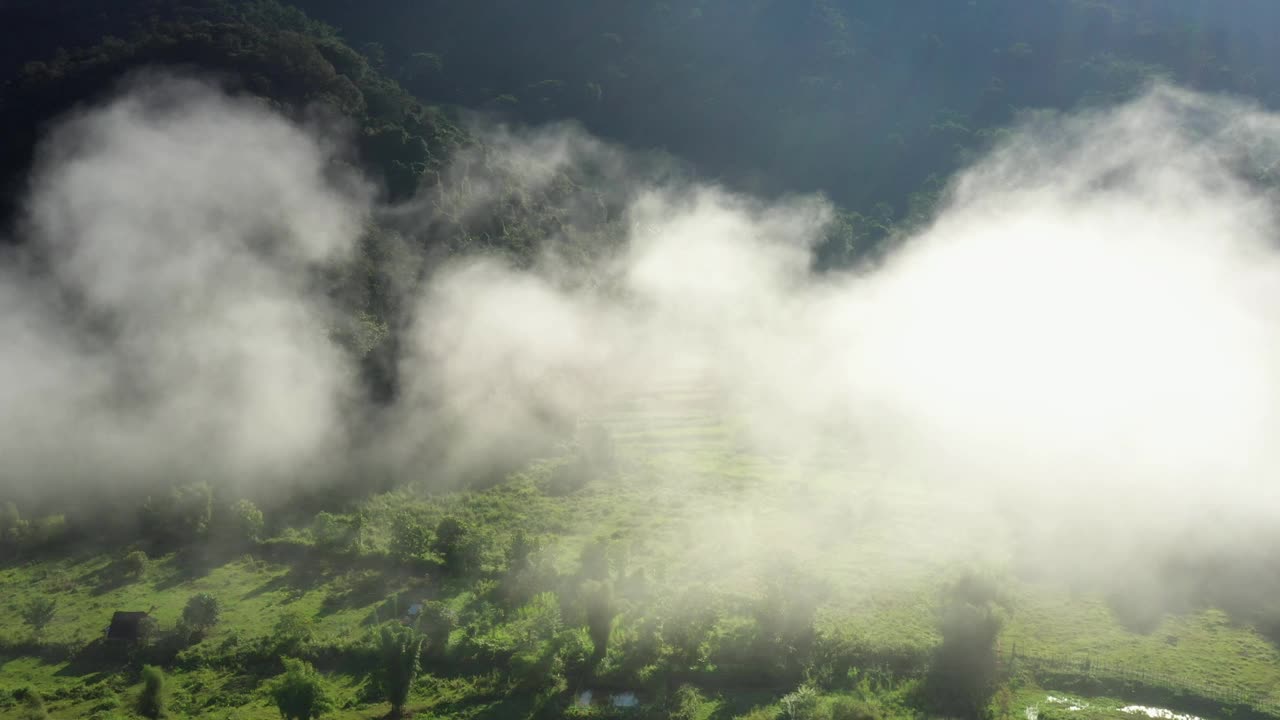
x=1103, y=670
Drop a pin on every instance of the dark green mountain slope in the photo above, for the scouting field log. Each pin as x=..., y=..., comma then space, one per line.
x=863, y=100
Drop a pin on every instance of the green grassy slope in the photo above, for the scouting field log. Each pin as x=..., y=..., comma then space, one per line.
x=690, y=505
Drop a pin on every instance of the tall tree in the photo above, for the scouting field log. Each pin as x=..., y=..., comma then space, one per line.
x=400, y=659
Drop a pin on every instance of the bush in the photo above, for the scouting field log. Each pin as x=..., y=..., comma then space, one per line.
x=519, y=552
x=151, y=703
x=246, y=521
x=574, y=650
x=201, y=612
x=760, y=713
x=801, y=704
x=785, y=615
x=300, y=693
x=46, y=531
x=535, y=668
x=107, y=707
x=687, y=704
x=686, y=622
x=31, y=704
x=737, y=651
x=408, y=538
x=456, y=547
x=436, y=622
x=333, y=532
x=134, y=564
x=38, y=612
x=846, y=708
x=291, y=631
x=12, y=526
x=179, y=516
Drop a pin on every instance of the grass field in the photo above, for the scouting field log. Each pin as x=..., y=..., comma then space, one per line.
x=691, y=505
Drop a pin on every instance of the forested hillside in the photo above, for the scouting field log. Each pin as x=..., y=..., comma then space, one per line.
x=884, y=101
x=865, y=101
x=696, y=359
x=69, y=55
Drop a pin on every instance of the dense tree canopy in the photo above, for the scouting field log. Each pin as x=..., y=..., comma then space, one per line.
x=862, y=100
x=479, y=595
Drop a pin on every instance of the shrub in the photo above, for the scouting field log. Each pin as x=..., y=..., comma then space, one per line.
x=292, y=627
x=760, y=713
x=518, y=553
x=736, y=649
x=333, y=532
x=31, y=704
x=300, y=693
x=107, y=706
x=535, y=667
x=46, y=531
x=179, y=516
x=846, y=708
x=291, y=631
x=246, y=521
x=785, y=615
x=201, y=612
x=574, y=650
x=686, y=622
x=801, y=704
x=455, y=546
x=687, y=704
x=12, y=526
x=38, y=612
x=134, y=564
x=436, y=622
x=151, y=703
x=408, y=538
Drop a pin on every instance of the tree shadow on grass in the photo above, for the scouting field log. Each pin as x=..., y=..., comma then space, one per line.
x=196, y=561
x=499, y=708
x=357, y=589
x=109, y=578
x=296, y=582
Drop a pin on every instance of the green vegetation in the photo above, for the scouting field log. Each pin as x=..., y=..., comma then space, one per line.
x=806, y=95
x=628, y=571
x=965, y=669
x=247, y=523
x=400, y=658
x=602, y=590
x=38, y=612
x=200, y=614
x=152, y=703
x=30, y=703
x=300, y=693
x=134, y=565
